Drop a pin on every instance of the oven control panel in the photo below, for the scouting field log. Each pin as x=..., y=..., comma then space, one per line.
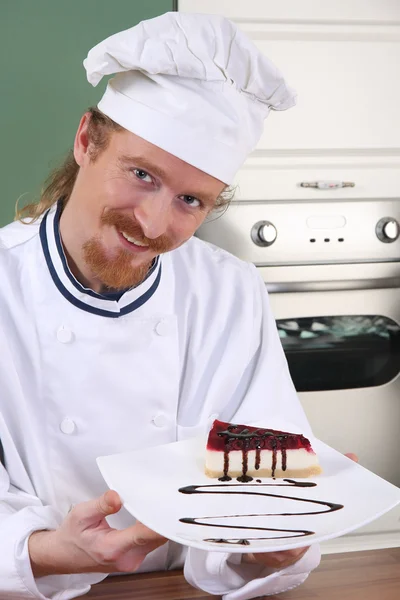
x=301, y=233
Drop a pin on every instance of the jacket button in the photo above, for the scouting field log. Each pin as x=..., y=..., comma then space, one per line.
x=163, y=328
x=67, y=426
x=64, y=334
x=159, y=420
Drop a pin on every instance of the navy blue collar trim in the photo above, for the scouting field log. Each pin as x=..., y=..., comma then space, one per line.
x=75, y=301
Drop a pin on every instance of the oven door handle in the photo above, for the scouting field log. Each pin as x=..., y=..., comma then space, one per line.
x=330, y=286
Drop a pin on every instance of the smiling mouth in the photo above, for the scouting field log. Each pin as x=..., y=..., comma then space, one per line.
x=134, y=241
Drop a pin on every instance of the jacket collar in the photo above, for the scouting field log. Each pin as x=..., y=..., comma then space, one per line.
x=107, y=305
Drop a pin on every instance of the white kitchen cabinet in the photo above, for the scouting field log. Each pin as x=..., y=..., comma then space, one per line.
x=343, y=59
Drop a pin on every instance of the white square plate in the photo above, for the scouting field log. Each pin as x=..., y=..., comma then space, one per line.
x=149, y=483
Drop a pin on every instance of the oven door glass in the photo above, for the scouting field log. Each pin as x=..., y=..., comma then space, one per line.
x=341, y=352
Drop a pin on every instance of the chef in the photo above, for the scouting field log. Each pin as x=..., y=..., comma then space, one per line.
x=119, y=330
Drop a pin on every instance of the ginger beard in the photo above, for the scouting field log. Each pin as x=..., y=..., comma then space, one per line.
x=118, y=270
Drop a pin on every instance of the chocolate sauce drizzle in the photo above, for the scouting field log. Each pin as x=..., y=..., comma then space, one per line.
x=246, y=440
x=194, y=489
x=223, y=541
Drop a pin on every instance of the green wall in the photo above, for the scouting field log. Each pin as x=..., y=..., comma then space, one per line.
x=44, y=90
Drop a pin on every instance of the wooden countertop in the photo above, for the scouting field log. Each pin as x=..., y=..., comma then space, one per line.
x=370, y=575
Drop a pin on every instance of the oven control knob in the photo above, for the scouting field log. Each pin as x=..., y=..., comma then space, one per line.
x=387, y=230
x=264, y=233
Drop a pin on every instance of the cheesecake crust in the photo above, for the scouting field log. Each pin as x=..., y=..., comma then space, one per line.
x=279, y=474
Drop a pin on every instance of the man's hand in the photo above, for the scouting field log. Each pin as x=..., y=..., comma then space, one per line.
x=282, y=558
x=85, y=543
x=275, y=560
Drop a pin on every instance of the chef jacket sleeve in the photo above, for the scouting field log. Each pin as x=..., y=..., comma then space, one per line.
x=22, y=513
x=266, y=393
x=225, y=575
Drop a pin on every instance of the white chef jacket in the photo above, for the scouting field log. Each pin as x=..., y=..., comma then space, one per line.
x=84, y=374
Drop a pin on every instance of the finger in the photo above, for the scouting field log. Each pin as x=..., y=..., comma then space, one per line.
x=288, y=554
x=124, y=550
x=279, y=559
x=291, y=560
x=140, y=536
x=93, y=511
x=131, y=556
x=352, y=456
x=144, y=535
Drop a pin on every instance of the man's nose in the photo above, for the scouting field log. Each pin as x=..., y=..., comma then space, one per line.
x=152, y=214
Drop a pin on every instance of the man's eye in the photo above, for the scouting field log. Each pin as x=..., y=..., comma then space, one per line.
x=142, y=175
x=191, y=201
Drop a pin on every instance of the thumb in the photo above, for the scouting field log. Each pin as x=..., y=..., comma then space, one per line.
x=92, y=511
x=109, y=503
x=352, y=456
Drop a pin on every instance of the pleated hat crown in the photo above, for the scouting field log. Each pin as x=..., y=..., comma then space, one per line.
x=192, y=84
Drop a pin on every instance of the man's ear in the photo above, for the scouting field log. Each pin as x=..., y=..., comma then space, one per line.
x=81, y=143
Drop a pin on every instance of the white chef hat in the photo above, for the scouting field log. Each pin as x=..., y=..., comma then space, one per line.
x=193, y=85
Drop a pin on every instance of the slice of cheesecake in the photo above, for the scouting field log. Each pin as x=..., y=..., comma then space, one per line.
x=245, y=452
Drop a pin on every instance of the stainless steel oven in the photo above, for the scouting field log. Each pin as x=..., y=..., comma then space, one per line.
x=333, y=273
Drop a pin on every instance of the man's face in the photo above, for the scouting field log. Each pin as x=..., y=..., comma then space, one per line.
x=134, y=202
